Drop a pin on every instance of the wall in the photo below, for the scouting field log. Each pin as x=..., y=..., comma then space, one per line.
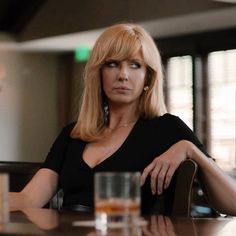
x=28, y=105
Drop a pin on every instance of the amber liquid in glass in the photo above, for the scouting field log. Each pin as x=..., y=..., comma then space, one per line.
x=116, y=213
x=117, y=207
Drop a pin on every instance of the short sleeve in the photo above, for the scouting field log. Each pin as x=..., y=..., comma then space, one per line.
x=56, y=155
x=182, y=132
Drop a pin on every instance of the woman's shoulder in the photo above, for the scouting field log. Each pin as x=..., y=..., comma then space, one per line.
x=165, y=118
x=168, y=117
x=165, y=122
x=69, y=126
x=66, y=130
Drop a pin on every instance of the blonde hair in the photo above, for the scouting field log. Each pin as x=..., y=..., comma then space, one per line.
x=119, y=41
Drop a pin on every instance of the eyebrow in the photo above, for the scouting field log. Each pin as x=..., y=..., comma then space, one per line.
x=127, y=59
x=139, y=60
x=135, y=59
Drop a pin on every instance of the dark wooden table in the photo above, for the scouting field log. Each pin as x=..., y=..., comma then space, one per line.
x=49, y=222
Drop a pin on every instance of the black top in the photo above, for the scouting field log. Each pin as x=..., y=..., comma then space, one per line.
x=147, y=140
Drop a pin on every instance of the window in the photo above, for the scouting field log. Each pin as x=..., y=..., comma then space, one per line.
x=222, y=88
x=222, y=100
x=179, y=84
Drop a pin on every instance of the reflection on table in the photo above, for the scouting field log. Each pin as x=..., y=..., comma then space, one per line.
x=50, y=222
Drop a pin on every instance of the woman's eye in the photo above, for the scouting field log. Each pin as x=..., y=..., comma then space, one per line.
x=135, y=65
x=111, y=64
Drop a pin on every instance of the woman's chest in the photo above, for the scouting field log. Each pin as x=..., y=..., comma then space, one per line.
x=98, y=151
x=134, y=154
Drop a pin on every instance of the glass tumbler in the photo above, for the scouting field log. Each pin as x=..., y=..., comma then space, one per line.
x=117, y=199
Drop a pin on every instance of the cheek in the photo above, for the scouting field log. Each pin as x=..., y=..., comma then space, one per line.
x=141, y=80
x=106, y=82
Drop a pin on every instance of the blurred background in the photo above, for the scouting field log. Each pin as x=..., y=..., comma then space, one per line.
x=44, y=46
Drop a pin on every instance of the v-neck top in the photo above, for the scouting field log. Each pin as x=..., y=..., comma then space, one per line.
x=148, y=139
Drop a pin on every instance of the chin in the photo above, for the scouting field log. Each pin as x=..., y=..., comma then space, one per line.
x=122, y=102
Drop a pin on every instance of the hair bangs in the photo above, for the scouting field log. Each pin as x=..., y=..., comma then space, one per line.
x=124, y=46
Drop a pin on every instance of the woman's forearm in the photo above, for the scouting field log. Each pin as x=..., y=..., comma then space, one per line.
x=18, y=201
x=37, y=192
x=221, y=188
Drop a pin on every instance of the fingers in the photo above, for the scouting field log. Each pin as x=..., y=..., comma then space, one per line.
x=146, y=172
x=164, y=177
x=169, y=176
x=155, y=178
x=161, y=175
x=163, y=167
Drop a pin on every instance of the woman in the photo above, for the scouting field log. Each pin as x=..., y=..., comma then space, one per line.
x=123, y=126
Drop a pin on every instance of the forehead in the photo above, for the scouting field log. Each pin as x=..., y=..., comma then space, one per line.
x=134, y=56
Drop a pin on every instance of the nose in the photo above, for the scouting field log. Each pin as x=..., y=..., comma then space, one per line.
x=123, y=75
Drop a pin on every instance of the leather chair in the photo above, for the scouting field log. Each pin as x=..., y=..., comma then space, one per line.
x=186, y=173
x=176, y=200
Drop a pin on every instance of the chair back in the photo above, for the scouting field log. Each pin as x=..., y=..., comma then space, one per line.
x=185, y=176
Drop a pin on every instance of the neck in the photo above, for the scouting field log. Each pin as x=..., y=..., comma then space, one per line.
x=122, y=117
x=122, y=125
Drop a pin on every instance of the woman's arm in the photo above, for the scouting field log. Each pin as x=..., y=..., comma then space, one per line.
x=37, y=192
x=45, y=219
x=221, y=189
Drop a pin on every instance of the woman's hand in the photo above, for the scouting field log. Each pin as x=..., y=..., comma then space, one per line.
x=163, y=167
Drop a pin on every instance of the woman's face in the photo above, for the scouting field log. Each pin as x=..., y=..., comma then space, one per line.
x=123, y=81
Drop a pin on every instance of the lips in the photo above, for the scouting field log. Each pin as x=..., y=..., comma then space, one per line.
x=122, y=88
